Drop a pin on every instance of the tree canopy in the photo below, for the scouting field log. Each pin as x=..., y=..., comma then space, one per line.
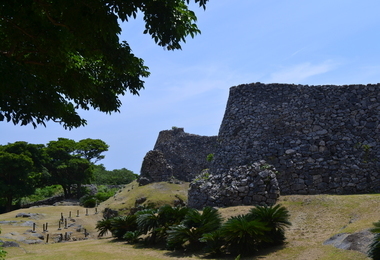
x=60, y=56
x=21, y=170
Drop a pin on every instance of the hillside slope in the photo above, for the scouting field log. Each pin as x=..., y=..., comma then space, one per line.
x=315, y=219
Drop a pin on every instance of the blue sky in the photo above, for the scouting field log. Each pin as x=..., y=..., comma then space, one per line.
x=273, y=41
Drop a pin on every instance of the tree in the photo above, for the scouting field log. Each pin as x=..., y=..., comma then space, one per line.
x=66, y=165
x=115, y=177
x=91, y=149
x=57, y=57
x=21, y=170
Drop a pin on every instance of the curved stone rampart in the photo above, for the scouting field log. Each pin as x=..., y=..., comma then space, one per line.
x=321, y=139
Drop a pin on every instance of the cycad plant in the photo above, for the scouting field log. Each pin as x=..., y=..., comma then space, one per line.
x=276, y=219
x=193, y=227
x=374, y=247
x=243, y=235
x=122, y=224
x=103, y=226
x=157, y=221
x=215, y=242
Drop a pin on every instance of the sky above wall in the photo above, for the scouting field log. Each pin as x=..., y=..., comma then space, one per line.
x=313, y=42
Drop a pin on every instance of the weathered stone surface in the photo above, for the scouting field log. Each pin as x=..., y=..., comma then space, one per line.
x=322, y=139
x=155, y=168
x=177, y=154
x=358, y=241
x=254, y=184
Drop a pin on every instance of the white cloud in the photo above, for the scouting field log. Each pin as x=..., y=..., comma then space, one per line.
x=298, y=73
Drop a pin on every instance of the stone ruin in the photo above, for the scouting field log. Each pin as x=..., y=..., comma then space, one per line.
x=177, y=155
x=321, y=139
x=254, y=184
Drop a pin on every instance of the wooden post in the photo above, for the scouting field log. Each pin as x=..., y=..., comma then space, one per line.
x=59, y=225
x=96, y=210
x=47, y=238
x=65, y=223
x=78, y=213
x=86, y=212
x=61, y=216
x=34, y=227
x=43, y=227
x=85, y=233
x=70, y=214
x=46, y=227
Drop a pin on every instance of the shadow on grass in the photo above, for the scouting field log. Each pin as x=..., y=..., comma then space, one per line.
x=261, y=254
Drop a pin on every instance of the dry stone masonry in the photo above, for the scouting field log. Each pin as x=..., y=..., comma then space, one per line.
x=176, y=154
x=254, y=184
x=321, y=139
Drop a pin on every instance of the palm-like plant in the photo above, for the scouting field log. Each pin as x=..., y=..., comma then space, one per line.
x=374, y=247
x=157, y=221
x=132, y=237
x=123, y=224
x=148, y=221
x=243, y=235
x=193, y=227
x=276, y=218
x=103, y=226
x=215, y=242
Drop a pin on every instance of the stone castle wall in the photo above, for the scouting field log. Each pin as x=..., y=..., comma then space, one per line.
x=177, y=154
x=321, y=139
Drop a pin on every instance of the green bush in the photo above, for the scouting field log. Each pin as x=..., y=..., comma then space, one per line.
x=276, y=218
x=242, y=235
x=122, y=224
x=3, y=253
x=193, y=227
x=43, y=193
x=374, y=247
x=103, y=227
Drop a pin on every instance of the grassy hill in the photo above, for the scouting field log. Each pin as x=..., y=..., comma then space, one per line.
x=315, y=219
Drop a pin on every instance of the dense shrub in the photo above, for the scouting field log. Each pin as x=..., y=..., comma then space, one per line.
x=102, y=176
x=43, y=193
x=193, y=227
x=183, y=227
x=374, y=248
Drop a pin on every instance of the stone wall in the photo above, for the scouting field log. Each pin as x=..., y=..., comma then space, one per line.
x=254, y=184
x=177, y=154
x=321, y=139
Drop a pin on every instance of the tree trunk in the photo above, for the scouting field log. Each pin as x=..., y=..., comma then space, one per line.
x=8, y=206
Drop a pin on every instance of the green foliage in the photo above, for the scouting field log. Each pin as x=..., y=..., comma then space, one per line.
x=156, y=222
x=243, y=235
x=3, y=253
x=122, y=224
x=58, y=58
x=90, y=149
x=210, y=157
x=104, y=193
x=214, y=241
x=115, y=177
x=69, y=161
x=374, y=247
x=103, y=226
x=42, y=193
x=276, y=218
x=132, y=237
x=21, y=170
x=193, y=227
